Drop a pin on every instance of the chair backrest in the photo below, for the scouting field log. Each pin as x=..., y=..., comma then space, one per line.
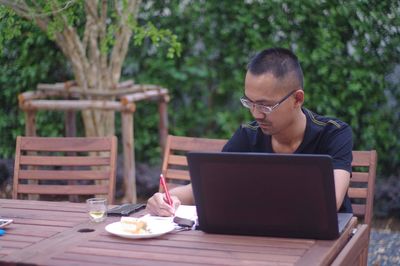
x=175, y=166
x=362, y=184
x=65, y=166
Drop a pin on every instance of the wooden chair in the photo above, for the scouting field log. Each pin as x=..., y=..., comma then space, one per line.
x=353, y=252
x=362, y=184
x=361, y=190
x=65, y=166
x=175, y=166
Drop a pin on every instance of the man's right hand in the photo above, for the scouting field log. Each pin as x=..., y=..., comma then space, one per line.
x=157, y=205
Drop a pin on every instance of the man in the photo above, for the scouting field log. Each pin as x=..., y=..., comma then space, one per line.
x=274, y=95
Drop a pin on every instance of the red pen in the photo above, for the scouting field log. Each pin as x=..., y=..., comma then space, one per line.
x=164, y=186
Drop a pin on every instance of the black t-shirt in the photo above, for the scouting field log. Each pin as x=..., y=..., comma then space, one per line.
x=323, y=135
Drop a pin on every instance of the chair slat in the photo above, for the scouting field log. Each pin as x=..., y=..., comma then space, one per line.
x=171, y=186
x=358, y=193
x=361, y=177
x=66, y=144
x=63, y=189
x=196, y=144
x=177, y=160
x=177, y=174
x=64, y=175
x=63, y=161
x=361, y=158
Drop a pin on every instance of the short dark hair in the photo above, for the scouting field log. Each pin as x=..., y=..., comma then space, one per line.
x=278, y=61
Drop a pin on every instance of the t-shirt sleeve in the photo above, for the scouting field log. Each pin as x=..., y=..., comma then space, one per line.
x=340, y=146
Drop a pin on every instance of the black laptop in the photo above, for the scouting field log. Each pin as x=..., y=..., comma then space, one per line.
x=265, y=194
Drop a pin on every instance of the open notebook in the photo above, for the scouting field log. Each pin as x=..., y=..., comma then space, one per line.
x=265, y=194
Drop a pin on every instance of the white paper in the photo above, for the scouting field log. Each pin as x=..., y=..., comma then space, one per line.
x=183, y=211
x=187, y=211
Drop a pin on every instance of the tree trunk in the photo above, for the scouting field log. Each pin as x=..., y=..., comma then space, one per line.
x=95, y=59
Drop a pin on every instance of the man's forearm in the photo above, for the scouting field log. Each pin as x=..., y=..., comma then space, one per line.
x=342, y=181
x=184, y=194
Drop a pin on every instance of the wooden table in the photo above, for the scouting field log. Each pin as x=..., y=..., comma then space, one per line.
x=47, y=233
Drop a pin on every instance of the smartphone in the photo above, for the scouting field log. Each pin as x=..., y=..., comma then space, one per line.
x=183, y=222
x=5, y=222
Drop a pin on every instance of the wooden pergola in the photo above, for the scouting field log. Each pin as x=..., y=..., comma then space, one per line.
x=69, y=98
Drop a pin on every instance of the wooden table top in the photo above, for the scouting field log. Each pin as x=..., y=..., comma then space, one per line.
x=47, y=233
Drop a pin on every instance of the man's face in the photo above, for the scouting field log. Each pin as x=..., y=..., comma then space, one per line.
x=268, y=91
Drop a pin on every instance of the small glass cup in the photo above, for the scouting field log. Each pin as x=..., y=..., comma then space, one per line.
x=97, y=208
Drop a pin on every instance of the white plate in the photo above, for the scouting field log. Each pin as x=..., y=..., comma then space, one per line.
x=156, y=228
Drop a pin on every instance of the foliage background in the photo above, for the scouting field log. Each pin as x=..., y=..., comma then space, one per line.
x=348, y=51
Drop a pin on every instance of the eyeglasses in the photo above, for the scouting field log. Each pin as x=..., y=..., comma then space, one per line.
x=261, y=107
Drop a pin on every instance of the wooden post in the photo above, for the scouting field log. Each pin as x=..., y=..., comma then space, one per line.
x=70, y=131
x=30, y=130
x=70, y=123
x=30, y=126
x=129, y=182
x=163, y=122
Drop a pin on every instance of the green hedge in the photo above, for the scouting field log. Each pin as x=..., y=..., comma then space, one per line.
x=27, y=60
x=347, y=50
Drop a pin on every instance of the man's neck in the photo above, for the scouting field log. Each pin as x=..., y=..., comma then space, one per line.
x=290, y=139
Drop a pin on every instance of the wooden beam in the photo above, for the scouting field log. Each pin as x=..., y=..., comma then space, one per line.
x=145, y=95
x=76, y=105
x=122, y=89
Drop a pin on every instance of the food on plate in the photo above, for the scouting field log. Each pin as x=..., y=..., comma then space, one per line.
x=134, y=225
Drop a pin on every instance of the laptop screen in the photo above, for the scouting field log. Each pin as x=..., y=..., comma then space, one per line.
x=264, y=194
